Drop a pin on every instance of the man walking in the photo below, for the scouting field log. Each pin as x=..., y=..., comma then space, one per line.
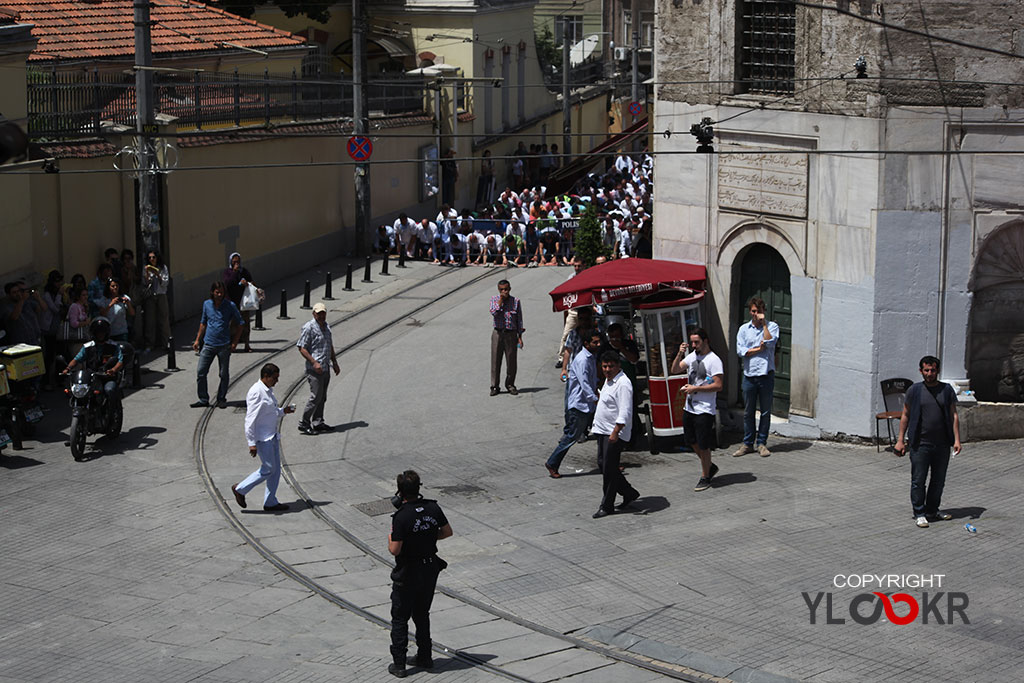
x=416, y=528
x=506, y=337
x=261, y=416
x=613, y=424
x=317, y=347
x=582, y=398
x=704, y=380
x=755, y=344
x=931, y=424
x=219, y=327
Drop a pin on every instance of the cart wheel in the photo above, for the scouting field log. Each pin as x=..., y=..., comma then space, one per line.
x=651, y=446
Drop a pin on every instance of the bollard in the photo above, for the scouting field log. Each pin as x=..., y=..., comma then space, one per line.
x=259, y=318
x=305, y=298
x=171, y=365
x=366, y=274
x=401, y=257
x=284, y=306
x=136, y=372
x=327, y=288
x=384, y=265
x=348, y=278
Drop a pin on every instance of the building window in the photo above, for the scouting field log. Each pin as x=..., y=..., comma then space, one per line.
x=768, y=52
x=575, y=25
x=647, y=31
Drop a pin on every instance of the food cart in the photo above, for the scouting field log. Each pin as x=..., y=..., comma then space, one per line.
x=667, y=296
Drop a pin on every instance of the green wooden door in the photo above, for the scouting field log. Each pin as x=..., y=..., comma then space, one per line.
x=764, y=274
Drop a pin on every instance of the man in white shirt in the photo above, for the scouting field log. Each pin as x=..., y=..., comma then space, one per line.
x=405, y=232
x=613, y=424
x=704, y=380
x=261, y=416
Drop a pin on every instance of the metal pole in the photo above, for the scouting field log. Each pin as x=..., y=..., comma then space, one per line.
x=259, y=319
x=172, y=365
x=635, y=89
x=360, y=123
x=401, y=256
x=148, y=233
x=437, y=135
x=384, y=265
x=283, y=315
x=305, y=298
x=566, y=118
x=348, y=278
x=366, y=274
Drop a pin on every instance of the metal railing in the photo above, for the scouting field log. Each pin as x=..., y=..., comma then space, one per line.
x=74, y=104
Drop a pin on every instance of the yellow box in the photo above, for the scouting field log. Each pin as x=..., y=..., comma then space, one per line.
x=4, y=387
x=23, y=361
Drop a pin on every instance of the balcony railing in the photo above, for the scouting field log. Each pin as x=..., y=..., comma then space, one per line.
x=74, y=104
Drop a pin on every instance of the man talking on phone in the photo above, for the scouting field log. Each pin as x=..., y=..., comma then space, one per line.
x=755, y=344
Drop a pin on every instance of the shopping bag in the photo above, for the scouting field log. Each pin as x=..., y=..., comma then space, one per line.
x=250, y=298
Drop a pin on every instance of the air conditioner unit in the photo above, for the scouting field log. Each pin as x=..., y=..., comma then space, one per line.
x=621, y=54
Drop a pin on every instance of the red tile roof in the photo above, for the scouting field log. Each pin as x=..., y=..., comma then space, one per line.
x=103, y=29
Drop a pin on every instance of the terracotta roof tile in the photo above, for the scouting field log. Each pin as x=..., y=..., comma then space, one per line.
x=75, y=30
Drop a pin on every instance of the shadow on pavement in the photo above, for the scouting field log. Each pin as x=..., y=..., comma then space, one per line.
x=966, y=513
x=733, y=478
x=135, y=439
x=349, y=425
x=293, y=507
x=532, y=390
x=778, y=447
x=16, y=462
x=455, y=664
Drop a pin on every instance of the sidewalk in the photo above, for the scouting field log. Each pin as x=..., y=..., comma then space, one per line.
x=124, y=568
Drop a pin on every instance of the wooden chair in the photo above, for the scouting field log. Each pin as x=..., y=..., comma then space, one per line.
x=893, y=392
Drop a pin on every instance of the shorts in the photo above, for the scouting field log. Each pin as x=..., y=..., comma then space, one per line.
x=699, y=428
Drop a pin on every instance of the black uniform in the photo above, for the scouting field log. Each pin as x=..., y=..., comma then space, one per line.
x=416, y=525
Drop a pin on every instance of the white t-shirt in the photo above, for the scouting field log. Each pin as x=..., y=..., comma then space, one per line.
x=701, y=370
x=615, y=406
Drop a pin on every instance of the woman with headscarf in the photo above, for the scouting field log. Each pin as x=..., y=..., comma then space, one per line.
x=236, y=280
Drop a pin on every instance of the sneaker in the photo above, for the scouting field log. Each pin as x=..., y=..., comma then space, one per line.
x=397, y=670
x=940, y=515
x=922, y=522
x=495, y=391
x=558, y=364
x=743, y=450
x=712, y=472
x=703, y=484
x=199, y=404
x=308, y=431
x=763, y=451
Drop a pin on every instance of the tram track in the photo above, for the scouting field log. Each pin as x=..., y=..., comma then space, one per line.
x=317, y=587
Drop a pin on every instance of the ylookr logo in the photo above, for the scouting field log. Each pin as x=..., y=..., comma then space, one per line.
x=867, y=608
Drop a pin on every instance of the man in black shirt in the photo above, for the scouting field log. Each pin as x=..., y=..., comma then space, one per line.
x=931, y=424
x=416, y=528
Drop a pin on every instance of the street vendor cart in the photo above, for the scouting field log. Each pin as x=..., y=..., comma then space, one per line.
x=666, y=296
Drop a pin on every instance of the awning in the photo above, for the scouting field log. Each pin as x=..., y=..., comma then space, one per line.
x=626, y=279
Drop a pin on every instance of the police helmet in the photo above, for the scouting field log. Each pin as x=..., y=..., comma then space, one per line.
x=100, y=329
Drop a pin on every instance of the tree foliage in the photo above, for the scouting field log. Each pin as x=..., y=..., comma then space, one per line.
x=549, y=56
x=589, y=240
x=316, y=10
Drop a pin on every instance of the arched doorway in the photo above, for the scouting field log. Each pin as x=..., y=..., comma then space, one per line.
x=995, y=356
x=764, y=274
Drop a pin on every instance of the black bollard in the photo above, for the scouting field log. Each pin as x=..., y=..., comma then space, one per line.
x=366, y=274
x=136, y=372
x=401, y=257
x=171, y=365
x=305, y=298
x=284, y=306
x=327, y=288
x=384, y=265
x=259, y=318
x=348, y=278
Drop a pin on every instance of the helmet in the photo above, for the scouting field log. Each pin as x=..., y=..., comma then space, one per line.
x=100, y=329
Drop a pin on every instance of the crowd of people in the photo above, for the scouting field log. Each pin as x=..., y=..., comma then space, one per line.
x=57, y=315
x=526, y=226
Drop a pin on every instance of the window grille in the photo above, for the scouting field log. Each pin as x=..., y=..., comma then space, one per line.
x=768, y=53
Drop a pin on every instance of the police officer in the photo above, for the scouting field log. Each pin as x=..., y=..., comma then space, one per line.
x=416, y=528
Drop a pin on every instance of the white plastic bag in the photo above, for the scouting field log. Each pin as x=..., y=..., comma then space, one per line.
x=250, y=298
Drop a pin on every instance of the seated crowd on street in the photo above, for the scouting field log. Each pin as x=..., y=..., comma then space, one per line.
x=527, y=226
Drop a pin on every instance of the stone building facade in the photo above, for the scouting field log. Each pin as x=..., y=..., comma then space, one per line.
x=879, y=217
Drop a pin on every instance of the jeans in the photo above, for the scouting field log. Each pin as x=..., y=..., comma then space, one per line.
x=269, y=453
x=757, y=391
x=576, y=423
x=925, y=457
x=223, y=354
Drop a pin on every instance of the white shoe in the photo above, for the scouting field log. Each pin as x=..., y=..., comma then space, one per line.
x=922, y=522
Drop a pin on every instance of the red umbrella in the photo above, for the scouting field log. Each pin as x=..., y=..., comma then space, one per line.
x=626, y=279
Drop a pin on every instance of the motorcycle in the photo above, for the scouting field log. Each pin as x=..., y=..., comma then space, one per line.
x=91, y=411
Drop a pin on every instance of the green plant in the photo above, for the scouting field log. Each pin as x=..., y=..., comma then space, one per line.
x=589, y=240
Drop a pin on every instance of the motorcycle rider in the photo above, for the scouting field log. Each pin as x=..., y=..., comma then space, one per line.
x=97, y=356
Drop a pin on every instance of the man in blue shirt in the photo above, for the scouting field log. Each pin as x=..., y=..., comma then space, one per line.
x=581, y=399
x=219, y=328
x=755, y=344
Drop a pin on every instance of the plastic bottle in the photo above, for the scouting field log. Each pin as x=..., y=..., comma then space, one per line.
x=971, y=529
